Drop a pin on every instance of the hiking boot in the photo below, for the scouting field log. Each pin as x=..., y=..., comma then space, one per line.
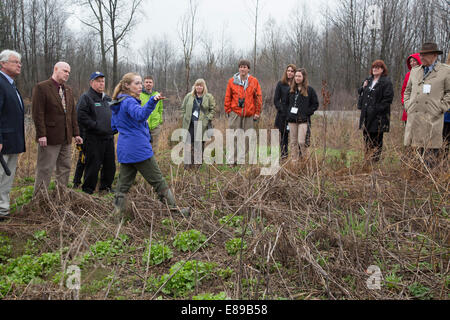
x=120, y=207
x=170, y=198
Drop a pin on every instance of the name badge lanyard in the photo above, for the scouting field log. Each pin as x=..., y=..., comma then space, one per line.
x=426, y=87
x=196, y=113
x=294, y=109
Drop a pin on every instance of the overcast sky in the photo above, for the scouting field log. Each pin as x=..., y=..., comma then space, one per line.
x=236, y=17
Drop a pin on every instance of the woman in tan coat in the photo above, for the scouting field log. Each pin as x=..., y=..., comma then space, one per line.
x=198, y=111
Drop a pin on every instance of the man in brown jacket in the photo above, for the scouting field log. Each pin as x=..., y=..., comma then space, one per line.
x=55, y=119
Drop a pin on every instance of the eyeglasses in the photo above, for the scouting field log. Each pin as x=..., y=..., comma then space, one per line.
x=377, y=67
x=15, y=62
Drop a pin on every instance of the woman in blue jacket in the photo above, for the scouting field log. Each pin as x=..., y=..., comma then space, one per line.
x=134, y=151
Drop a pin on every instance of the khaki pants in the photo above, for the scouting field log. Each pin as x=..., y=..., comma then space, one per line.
x=237, y=122
x=49, y=157
x=297, y=139
x=6, y=182
x=154, y=134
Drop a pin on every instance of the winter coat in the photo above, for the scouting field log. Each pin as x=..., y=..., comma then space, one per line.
x=375, y=105
x=49, y=117
x=405, y=81
x=94, y=113
x=156, y=118
x=281, y=102
x=12, y=126
x=206, y=114
x=252, y=94
x=426, y=110
x=130, y=119
x=447, y=114
x=306, y=106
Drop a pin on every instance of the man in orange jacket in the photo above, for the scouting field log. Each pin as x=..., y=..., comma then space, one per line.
x=243, y=100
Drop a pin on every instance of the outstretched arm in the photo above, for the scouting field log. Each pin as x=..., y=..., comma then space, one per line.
x=139, y=113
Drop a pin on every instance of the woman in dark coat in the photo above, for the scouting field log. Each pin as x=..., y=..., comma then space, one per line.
x=281, y=101
x=303, y=102
x=375, y=98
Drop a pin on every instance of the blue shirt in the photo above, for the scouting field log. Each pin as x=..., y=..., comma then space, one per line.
x=427, y=70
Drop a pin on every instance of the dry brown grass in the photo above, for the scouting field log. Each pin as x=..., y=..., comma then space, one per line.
x=312, y=230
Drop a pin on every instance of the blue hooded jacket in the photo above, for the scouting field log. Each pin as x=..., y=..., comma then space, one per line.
x=130, y=119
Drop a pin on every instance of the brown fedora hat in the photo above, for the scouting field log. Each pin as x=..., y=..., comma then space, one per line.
x=430, y=47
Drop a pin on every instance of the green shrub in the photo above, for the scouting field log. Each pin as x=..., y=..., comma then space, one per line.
x=158, y=253
x=5, y=286
x=184, y=281
x=27, y=268
x=5, y=248
x=234, y=222
x=40, y=235
x=24, y=198
x=23, y=269
x=32, y=247
x=48, y=261
x=233, y=246
x=107, y=250
x=189, y=240
x=419, y=291
x=224, y=273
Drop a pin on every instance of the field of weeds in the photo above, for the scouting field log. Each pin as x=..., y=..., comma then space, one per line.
x=327, y=228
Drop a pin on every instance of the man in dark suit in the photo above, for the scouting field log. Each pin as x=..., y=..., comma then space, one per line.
x=55, y=119
x=12, y=132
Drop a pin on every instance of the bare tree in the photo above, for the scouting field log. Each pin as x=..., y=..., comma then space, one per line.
x=96, y=9
x=165, y=55
x=339, y=51
x=121, y=16
x=118, y=16
x=272, y=49
x=254, y=9
x=188, y=37
x=148, y=53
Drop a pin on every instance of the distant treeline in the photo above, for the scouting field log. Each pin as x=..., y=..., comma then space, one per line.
x=339, y=50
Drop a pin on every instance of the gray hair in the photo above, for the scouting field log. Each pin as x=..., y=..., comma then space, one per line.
x=5, y=54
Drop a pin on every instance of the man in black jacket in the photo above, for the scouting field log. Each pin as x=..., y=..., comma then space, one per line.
x=12, y=132
x=94, y=115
